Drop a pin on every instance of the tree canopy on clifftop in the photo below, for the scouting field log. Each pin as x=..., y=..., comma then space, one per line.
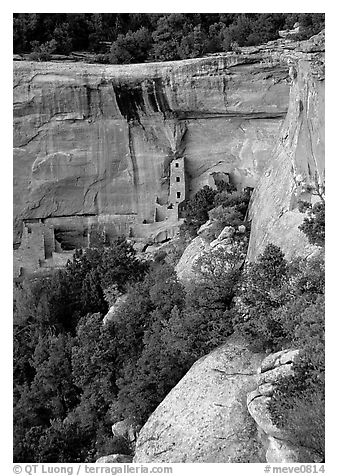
x=139, y=37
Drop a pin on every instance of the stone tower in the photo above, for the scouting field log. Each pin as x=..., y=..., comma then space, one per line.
x=177, y=192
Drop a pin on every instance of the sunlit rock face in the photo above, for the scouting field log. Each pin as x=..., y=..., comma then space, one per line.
x=95, y=141
x=297, y=162
x=204, y=418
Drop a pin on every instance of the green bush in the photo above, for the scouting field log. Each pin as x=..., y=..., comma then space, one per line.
x=313, y=225
x=42, y=52
x=197, y=209
x=281, y=305
x=273, y=293
x=142, y=37
x=232, y=198
x=229, y=216
x=148, y=368
x=225, y=206
x=132, y=47
x=301, y=413
x=207, y=319
x=260, y=291
x=74, y=377
x=298, y=404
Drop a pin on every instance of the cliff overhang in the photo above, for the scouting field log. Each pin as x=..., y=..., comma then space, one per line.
x=93, y=144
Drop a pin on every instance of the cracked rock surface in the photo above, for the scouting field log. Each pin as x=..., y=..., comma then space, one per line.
x=204, y=419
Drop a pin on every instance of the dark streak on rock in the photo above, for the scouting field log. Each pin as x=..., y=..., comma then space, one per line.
x=130, y=101
x=133, y=161
x=216, y=115
x=151, y=95
x=31, y=139
x=161, y=97
x=230, y=374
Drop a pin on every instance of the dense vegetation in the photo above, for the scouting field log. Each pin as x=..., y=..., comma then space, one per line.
x=139, y=37
x=281, y=305
x=314, y=223
x=225, y=206
x=74, y=376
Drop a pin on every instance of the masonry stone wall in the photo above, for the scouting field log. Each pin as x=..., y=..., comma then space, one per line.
x=31, y=250
x=161, y=212
x=38, y=250
x=59, y=260
x=49, y=240
x=177, y=181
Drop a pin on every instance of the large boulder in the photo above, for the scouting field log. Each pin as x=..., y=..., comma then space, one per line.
x=227, y=233
x=204, y=419
x=275, y=360
x=279, y=448
x=116, y=458
x=204, y=230
x=126, y=429
x=120, y=302
x=258, y=406
x=201, y=246
x=185, y=266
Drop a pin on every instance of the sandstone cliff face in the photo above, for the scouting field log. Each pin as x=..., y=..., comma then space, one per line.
x=93, y=143
x=204, y=419
x=297, y=160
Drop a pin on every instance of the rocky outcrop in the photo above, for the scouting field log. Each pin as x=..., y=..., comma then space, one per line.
x=185, y=267
x=126, y=429
x=93, y=143
x=219, y=412
x=116, y=458
x=279, y=447
x=119, y=303
x=289, y=33
x=207, y=244
x=205, y=417
x=297, y=163
x=124, y=433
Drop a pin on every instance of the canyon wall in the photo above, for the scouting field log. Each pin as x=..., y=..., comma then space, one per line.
x=93, y=143
x=296, y=169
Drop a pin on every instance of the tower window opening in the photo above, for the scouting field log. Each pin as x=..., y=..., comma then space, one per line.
x=178, y=194
x=178, y=179
x=177, y=164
